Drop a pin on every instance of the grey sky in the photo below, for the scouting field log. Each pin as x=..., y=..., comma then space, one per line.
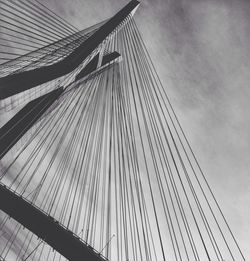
x=202, y=53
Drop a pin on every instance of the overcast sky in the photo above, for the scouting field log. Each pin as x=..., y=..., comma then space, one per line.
x=201, y=51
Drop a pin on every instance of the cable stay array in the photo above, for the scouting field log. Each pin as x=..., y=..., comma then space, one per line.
x=59, y=47
x=108, y=160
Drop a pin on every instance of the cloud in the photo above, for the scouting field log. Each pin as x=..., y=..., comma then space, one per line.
x=201, y=51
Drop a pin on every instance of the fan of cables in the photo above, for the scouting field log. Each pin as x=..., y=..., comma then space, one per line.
x=110, y=161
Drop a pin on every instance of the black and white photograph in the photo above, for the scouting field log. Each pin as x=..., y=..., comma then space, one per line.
x=125, y=130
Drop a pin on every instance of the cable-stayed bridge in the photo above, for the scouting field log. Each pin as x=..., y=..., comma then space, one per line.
x=94, y=162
